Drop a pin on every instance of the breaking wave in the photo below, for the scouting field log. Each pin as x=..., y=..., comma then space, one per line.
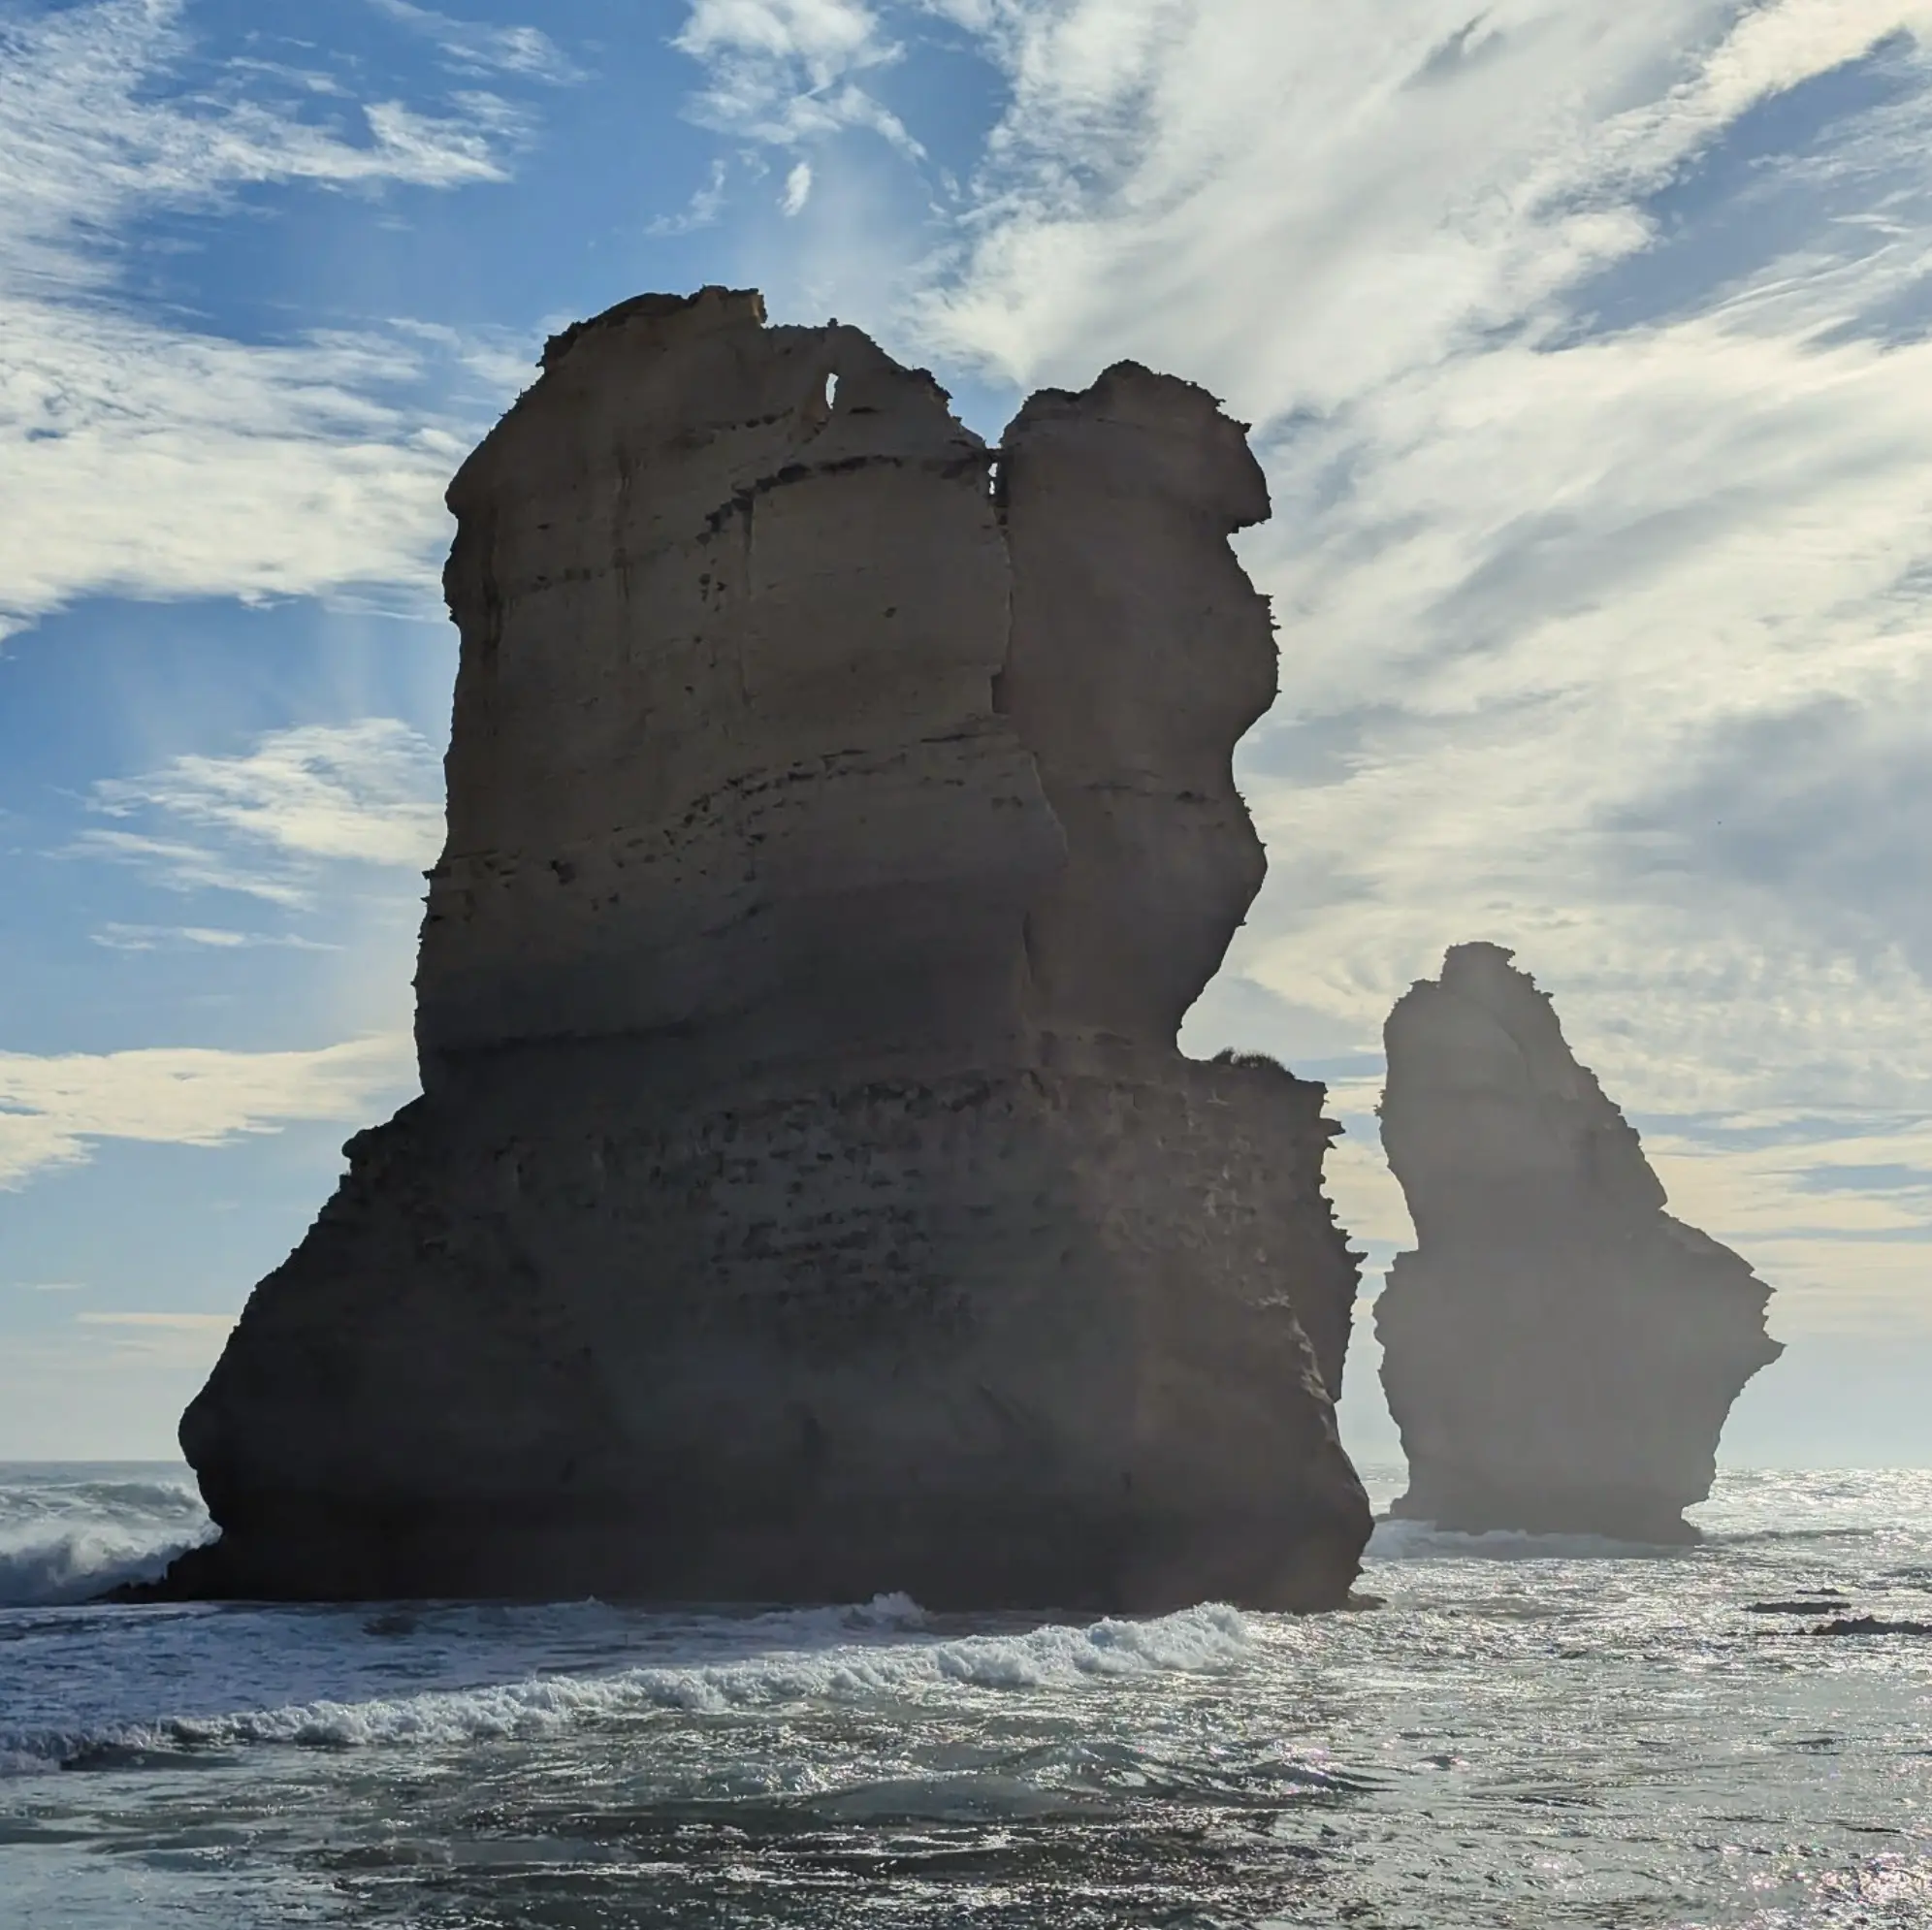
x=892, y=1661
x=66, y=1535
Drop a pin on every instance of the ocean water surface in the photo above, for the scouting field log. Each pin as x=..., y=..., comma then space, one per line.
x=1530, y=1732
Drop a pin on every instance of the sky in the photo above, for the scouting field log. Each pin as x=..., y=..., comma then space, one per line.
x=1588, y=346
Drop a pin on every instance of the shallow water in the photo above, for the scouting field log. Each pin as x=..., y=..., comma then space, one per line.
x=1531, y=1732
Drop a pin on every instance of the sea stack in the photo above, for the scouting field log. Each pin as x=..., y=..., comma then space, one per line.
x=1558, y=1352
x=807, y=1198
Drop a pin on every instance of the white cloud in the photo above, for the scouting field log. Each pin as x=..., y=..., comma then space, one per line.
x=141, y=457
x=90, y=135
x=980, y=16
x=797, y=189
x=144, y=462
x=266, y=823
x=369, y=791
x=784, y=70
x=1304, y=202
x=1559, y=588
x=475, y=46
x=826, y=37
x=53, y=1107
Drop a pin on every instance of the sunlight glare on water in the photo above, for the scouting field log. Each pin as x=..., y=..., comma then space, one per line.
x=1531, y=1732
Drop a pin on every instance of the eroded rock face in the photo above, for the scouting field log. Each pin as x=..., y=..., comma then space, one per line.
x=807, y=1198
x=1140, y=655
x=1558, y=1352
x=723, y=770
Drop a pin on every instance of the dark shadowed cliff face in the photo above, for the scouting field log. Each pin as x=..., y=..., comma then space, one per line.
x=1558, y=1352
x=1140, y=655
x=807, y=1198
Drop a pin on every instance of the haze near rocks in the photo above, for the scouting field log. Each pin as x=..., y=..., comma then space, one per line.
x=1558, y=1352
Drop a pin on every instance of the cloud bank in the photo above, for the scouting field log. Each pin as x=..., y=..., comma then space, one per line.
x=139, y=455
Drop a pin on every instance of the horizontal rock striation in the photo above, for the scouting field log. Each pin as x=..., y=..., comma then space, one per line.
x=1558, y=1352
x=807, y=1198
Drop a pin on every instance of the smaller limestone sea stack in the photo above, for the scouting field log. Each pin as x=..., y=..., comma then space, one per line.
x=1558, y=1352
x=807, y=1198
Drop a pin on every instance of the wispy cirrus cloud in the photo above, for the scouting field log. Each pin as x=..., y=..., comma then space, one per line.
x=1362, y=191
x=368, y=791
x=143, y=461
x=54, y=1107
x=116, y=937
x=265, y=823
x=787, y=72
x=819, y=41
x=700, y=211
x=187, y=868
x=92, y=131
x=480, y=47
x=144, y=456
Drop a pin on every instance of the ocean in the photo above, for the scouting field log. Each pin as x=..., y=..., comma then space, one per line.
x=1529, y=1732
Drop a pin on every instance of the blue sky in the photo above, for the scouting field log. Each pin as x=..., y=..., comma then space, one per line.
x=1589, y=348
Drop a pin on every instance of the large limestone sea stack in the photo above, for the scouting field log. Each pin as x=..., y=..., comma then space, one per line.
x=1558, y=1352
x=807, y=1198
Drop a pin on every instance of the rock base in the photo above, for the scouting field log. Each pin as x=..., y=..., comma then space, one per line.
x=1019, y=1341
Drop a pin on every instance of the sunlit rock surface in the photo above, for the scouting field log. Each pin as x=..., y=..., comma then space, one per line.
x=1558, y=1352
x=807, y=1198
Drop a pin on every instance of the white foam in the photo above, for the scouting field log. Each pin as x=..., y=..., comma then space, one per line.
x=64, y=1539
x=79, y=1564
x=890, y=1662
